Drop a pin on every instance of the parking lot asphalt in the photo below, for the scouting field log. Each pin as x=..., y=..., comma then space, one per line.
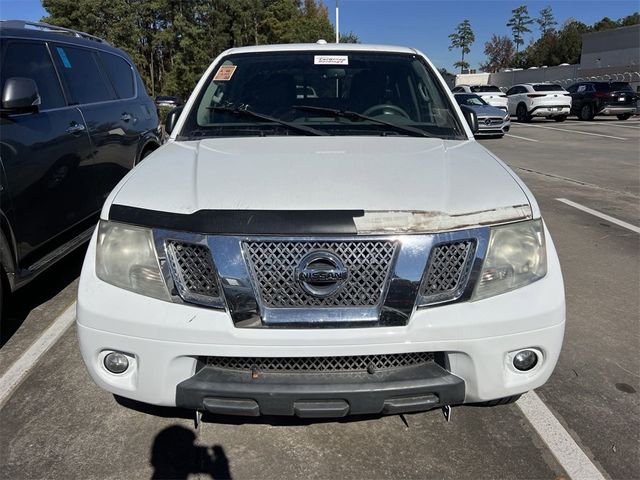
x=58, y=424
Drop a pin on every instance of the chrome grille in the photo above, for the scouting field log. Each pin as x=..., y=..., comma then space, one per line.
x=273, y=264
x=352, y=363
x=192, y=269
x=448, y=270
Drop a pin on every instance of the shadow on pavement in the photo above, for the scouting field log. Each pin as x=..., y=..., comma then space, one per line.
x=40, y=290
x=175, y=455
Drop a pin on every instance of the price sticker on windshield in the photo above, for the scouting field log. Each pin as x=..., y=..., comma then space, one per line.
x=331, y=60
x=224, y=73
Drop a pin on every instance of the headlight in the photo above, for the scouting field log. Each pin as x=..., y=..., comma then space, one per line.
x=516, y=257
x=126, y=258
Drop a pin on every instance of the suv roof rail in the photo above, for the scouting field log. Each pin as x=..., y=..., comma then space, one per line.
x=50, y=28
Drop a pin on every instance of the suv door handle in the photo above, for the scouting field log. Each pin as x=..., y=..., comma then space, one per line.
x=75, y=127
x=125, y=117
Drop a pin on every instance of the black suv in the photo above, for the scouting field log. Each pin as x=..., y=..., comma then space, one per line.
x=602, y=98
x=75, y=118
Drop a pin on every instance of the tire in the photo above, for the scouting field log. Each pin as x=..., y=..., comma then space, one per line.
x=561, y=118
x=522, y=114
x=586, y=112
x=499, y=401
x=624, y=116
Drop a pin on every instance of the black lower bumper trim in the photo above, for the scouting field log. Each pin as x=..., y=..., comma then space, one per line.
x=320, y=395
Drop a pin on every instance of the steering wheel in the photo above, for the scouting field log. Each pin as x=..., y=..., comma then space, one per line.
x=382, y=107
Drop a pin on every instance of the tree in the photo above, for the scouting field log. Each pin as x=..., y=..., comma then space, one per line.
x=349, y=37
x=499, y=51
x=546, y=21
x=519, y=25
x=462, y=38
x=632, y=19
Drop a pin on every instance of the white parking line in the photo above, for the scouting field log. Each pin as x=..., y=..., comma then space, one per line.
x=521, y=138
x=568, y=453
x=621, y=223
x=603, y=124
x=571, y=131
x=19, y=370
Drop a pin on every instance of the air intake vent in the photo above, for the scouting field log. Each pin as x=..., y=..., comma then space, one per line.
x=193, y=271
x=448, y=271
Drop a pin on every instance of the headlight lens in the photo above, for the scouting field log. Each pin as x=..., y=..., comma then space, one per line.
x=126, y=258
x=516, y=257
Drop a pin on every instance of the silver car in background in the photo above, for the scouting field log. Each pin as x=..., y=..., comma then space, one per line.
x=491, y=120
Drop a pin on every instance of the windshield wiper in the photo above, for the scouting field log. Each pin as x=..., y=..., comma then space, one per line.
x=416, y=132
x=243, y=111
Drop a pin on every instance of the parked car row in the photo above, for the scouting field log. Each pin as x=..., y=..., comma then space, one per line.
x=75, y=118
x=582, y=99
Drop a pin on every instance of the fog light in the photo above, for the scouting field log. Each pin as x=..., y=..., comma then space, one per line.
x=116, y=362
x=525, y=360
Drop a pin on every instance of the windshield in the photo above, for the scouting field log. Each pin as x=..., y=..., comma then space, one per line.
x=485, y=88
x=385, y=90
x=547, y=87
x=470, y=99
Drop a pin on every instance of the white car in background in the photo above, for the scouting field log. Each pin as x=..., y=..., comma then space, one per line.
x=489, y=93
x=528, y=100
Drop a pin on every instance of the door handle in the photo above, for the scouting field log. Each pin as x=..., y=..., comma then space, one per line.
x=75, y=128
x=125, y=117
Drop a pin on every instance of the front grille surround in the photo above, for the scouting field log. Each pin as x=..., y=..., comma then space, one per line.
x=321, y=364
x=272, y=264
x=193, y=271
x=448, y=271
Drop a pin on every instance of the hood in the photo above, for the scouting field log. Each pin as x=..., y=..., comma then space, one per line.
x=487, y=111
x=401, y=183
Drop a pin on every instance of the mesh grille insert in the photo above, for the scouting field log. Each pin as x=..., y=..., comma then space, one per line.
x=273, y=264
x=448, y=270
x=353, y=363
x=193, y=269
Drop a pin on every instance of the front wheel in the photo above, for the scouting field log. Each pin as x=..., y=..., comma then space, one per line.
x=624, y=116
x=586, y=112
x=522, y=114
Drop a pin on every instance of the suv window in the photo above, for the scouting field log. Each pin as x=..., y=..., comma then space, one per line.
x=485, y=88
x=120, y=74
x=32, y=60
x=546, y=87
x=515, y=90
x=613, y=87
x=83, y=78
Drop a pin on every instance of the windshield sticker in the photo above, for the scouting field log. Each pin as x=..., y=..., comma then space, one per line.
x=224, y=73
x=63, y=56
x=331, y=60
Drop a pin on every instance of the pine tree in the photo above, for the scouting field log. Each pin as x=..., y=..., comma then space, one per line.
x=462, y=38
x=519, y=25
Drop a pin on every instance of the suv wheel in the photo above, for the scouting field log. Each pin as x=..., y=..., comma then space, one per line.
x=586, y=112
x=522, y=114
x=624, y=116
x=561, y=118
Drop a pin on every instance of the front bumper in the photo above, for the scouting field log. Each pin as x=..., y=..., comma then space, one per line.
x=417, y=388
x=165, y=341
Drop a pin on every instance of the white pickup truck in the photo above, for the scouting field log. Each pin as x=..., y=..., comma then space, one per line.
x=353, y=251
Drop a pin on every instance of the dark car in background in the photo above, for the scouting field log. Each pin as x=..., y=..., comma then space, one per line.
x=492, y=120
x=75, y=118
x=602, y=98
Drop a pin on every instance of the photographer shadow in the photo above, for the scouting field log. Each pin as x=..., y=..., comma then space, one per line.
x=175, y=455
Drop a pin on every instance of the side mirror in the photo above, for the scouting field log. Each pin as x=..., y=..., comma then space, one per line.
x=20, y=95
x=172, y=119
x=471, y=117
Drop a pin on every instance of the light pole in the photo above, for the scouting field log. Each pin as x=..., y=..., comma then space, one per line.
x=337, y=22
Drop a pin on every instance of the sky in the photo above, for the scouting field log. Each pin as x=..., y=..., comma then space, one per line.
x=423, y=24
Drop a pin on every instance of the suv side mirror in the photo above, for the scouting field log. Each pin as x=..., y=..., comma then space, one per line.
x=20, y=95
x=172, y=119
x=471, y=118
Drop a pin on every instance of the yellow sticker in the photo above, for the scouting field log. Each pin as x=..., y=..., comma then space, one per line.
x=224, y=73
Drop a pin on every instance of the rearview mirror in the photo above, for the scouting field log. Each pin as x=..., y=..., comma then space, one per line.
x=20, y=95
x=172, y=119
x=471, y=118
